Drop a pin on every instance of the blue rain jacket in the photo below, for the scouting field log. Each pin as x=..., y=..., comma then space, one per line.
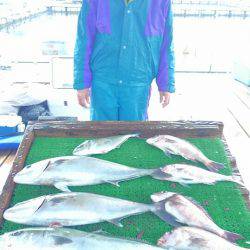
x=124, y=44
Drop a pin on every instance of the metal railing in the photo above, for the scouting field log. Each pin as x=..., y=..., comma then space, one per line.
x=15, y=19
x=181, y=12
x=181, y=8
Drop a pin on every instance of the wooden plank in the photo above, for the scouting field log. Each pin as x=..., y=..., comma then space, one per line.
x=241, y=114
x=18, y=164
x=10, y=159
x=232, y=129
x=3, y=155
x=239, y=109
x=6, y=167
x=181, y=129
x=243, y=93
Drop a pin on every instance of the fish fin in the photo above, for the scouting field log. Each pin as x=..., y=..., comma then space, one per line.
x=60, y=240
x=168, y=153
x=100, y=232
x=61, y=186
x=127, y=137
x=214, y=166
x=160, y=211
x=184, y=184
x=160, y=175
x=115, y=183
x=116, y=222
x=78, y=148
x=237, y=179
x=163, y=215
x=233, y=237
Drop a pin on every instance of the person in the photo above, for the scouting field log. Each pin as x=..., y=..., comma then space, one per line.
x=121, y=46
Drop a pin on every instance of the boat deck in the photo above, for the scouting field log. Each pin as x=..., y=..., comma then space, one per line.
x=6, y=161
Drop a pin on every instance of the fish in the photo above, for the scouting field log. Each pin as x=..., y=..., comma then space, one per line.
x=188, y=174
x=63, y=172
x=186, y=211
x=101, y=145
x=176, y=146
x=191, y=238
x=75, y=208
x=66, y=239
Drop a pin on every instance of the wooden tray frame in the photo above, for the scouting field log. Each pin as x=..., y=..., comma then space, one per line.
x=183, y=129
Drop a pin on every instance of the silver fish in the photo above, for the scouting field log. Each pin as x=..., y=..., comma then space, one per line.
x=185, y=211
x=62, y=172
x=191, y=238
x=101, y=145
x=187, y=174
x=173, y=145
x=66, y=239
x=71, y=209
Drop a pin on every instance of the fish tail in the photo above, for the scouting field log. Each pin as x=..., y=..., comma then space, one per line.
x=233, y=237
x=160, y=174
x=236, y=179
x=214, y=166
x=158, y=208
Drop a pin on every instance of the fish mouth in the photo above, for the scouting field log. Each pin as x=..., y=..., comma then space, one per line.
x=21, y=177
x=23, y=211
x=30, y=173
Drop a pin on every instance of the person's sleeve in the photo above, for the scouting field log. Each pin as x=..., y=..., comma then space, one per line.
x=165, y=78
x=85, y=37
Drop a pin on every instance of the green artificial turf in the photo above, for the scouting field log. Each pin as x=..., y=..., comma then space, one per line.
x=223, y=201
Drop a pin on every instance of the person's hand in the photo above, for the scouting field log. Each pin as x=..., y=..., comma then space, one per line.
x=84, y=97
x=164, y=98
